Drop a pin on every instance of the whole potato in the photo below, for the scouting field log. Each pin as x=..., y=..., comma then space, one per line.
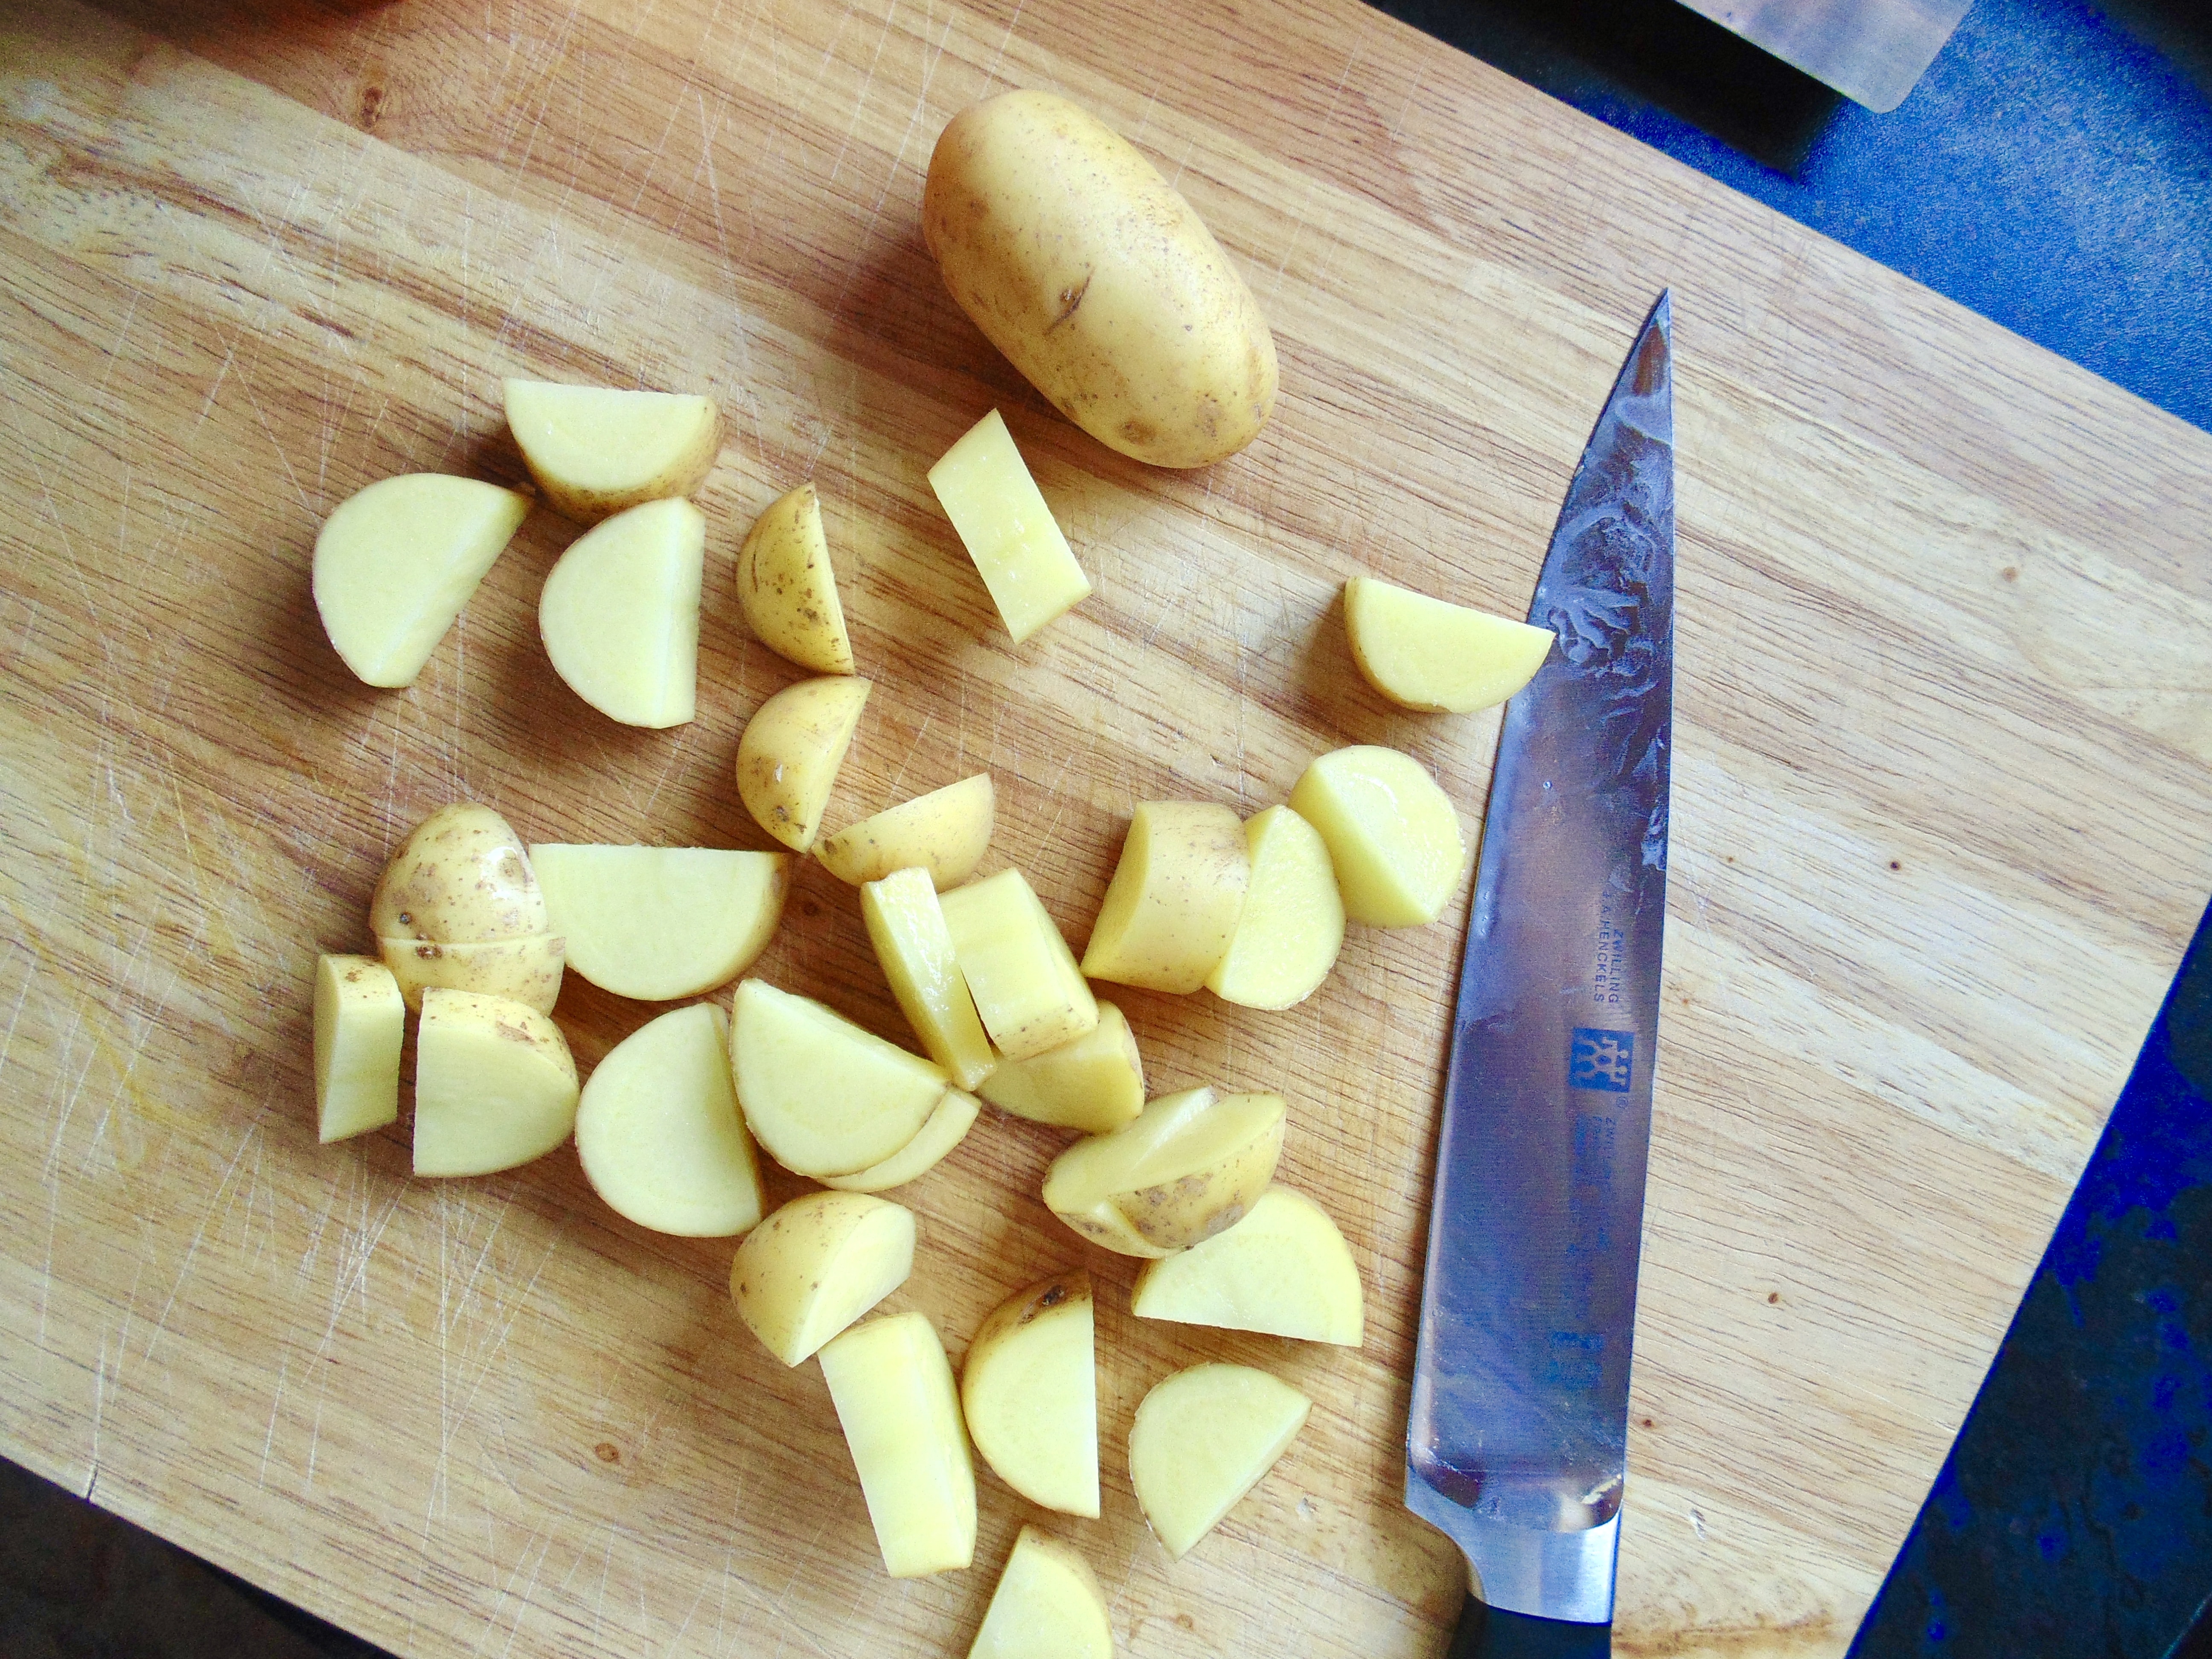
x=462, y=876
x=1097, y=281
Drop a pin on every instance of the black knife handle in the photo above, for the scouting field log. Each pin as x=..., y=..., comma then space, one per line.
x=1488, y=1632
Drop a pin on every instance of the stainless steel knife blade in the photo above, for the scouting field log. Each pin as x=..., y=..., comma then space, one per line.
x=1515, y=1443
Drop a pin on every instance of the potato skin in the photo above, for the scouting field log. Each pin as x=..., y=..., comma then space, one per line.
x=461, y=877
x=1097, y=281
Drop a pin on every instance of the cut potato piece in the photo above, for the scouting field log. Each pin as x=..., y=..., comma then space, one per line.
x=1292, y=926
x=657, y=923
x=1173, y=905
x=907, y=927
x=943, y=831
x=525, y=970
x=659, y=1133
x=396, y=562
x=1027, y=987
x=892, y=1387
x=1188, y=1166
x=1003, y=521
x=816, y=1266
x=788, y=757
x=822, y=1095
x=1030, y=1387
x=596, y=450
x=360, y=1024
x=1444, y=658
x=1094, y=1084
x=787, y=589
x=1284, y=1269
x=1202, y=1439
x=461, y=876
x=947, y=1128
x=1392, y=836
x=1049, y=1605
x=620, y=614
x=495, y=1085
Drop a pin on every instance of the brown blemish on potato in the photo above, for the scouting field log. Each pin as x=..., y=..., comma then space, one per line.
x=607, y=1452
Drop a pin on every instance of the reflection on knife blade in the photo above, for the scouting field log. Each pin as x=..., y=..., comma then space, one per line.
x=1516, y=1444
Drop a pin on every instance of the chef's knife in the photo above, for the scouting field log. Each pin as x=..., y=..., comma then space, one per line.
x=1515, y=1446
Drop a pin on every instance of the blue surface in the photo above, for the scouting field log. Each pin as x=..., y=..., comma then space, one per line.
x=2074, y=1515
x=2052, y=171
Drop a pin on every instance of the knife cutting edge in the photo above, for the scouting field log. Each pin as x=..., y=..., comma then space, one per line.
x=1516, y=1444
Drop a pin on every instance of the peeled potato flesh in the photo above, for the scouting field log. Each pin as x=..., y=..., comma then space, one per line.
x=906, y=925
x=945, y=1128
x=1094, y=1084
x=1029, y=1389
x=1292, y=926
x=817, y=1265
x=1030, y=992
x=893, y=1390
x=659, y=1133
x=1049, y=1605
x=944, y=832
x=1429, y=655
x=1392, y=836
x=657, y=923
x=396, y=562
x=1204, y=1437
x=620, y=614
x=1285, y=1269
x=360, y=1024
x=986, y=489
x=494, y=1085
x=823, y=1096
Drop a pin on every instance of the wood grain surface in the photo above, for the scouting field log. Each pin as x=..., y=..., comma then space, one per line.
x=1943, y=787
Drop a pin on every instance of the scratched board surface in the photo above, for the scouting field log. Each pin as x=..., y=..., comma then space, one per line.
x=1943, y=815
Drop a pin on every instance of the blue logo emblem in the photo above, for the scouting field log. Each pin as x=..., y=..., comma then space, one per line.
x=1602, y=1060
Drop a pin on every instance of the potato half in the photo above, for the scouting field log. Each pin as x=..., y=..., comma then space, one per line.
x=1030, y=1387
x=1444, y=659
x=817, y=1265
x=396, y=562
x=1097, y=281
x=789, y=754
x=1204, y=1437
x=1284, y=1269
x=597, y=450
x=787, y=589
x=986, y=489
x=657, y=923
x=1094, y=1084
x=943, y=831
x=1188, y=1166
x=360, y=1023
x=1176, y=897
x=822, y=1095
x=946, y=1128
x=494, y=1085
x=1393, y=835
x=1292, y=926
x=1030, y=992
x=906, y=924
x=620, y=614
x=659, y=1133
x=1049, y=1605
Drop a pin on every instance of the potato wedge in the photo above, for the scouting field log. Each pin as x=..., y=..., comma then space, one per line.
x=360, y=1023
x=1030, y=992
x=620, y=614
x=947, y=1126
x=1174, y=900
x=906, y=925
x=1292, y=926
x=789, y=756
x=598, y=450
x=1202, y=1439
x=1284, y=1269
x=1188, y=1166
x=659, y=1133
x=822, y=1095
x=657, y=923
x=524, y=970
x=943, y=831
x=892, y=1387
x=817, y=1265
x=787, y=589
x=1393, y=835
x=986, y=489
x=396, y=562
x=494, y=1085
x=1049, y=1605
x=1444, y=659
x=461, y=876
x=1029, y=1389
x=1094, y=1084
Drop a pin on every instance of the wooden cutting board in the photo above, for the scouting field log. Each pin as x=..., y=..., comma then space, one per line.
x=1943, y=809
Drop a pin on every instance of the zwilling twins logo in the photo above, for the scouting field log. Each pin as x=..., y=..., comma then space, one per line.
x=1602, y=1060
